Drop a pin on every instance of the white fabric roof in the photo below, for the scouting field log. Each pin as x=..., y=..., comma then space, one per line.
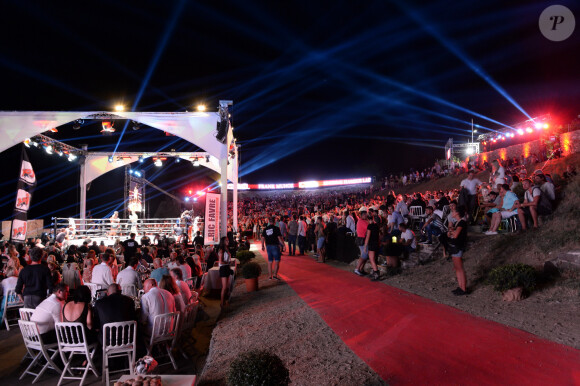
x=197, y=128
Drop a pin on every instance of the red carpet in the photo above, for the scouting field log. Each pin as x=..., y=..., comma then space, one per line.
x=408, y=339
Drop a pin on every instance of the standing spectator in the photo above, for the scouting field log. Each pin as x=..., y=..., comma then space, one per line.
x=49, y=312
x=271, y=241
x=372, y=245
x=320, y=239
x=34, y=281
x=349, y=221
x=302, y=235
x=71, y=274
x=470, y=185
x=457, y=244
x=361, y=233
x=130, y=247
x=292, y=235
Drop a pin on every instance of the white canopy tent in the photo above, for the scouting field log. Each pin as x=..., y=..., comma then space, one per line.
x=197, y=128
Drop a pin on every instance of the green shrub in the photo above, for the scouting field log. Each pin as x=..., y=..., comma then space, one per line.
x=511, y=276
x=244, y=256
x=251, y=270
x=258, y=367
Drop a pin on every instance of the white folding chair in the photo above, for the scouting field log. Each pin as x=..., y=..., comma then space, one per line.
x=119, y=340
x=37, y=350
x=72, y=342
x=11, y=302
x=25, y=313
x=416, y=214
x=129, y=290
x=164, y=334
x=188, y=317
x=191, y=282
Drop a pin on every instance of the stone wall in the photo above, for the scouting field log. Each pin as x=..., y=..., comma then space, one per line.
x=570, y=143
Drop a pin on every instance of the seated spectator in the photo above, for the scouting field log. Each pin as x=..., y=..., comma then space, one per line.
x=79, y=311
x=177, y=275
x=168, y=283
x=508, y=209
x=186, y=269
x=49, y=312
x=113, y=308
x=394, y=219
x=129, y=277
x=418, y=201
x=88, y=271
x=8, y=283
x=433, y=226
x=71, y=275
x=570, y=172
x=441, y=202
x=158, y=270
x=407, y=240
x=155, y=301
x=547, y=187
x=102, y=274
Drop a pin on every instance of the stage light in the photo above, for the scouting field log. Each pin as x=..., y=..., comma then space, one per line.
x=137, y=173
x=529, y=130
x=34, y=143
x=178, y=159
x=130, y=171
x=27, y=142
x=141, y=159
x=107, y=127
x=546, y=126
x=502, y=138
x=512, y=135
x=196, y=162
x=158, y=162
x=195, y=199
x=72, y=157
x=110, y=159
x=520, y=132
x=119, y=107
x=190, y=192
x=538, y=125
x=200, y=193
x=186, y=199
x=48, y=149
x=469, y=151
x=59, y=152
x=201, y=107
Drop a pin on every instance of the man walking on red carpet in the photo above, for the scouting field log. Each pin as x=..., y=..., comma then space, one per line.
x=272, y=238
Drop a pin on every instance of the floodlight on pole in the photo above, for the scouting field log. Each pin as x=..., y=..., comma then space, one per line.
x=119, y=107
x=201, y=107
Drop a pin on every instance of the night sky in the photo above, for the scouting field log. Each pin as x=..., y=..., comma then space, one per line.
x=320, y=89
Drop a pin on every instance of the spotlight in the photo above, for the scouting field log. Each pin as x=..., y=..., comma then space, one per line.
x=77, y=124
x=48, y=149
x=196, y=162
x=130, y=171
x=119, y=107
x=186, y=199
x=158, y=162
x=34, y=143
x=201, y=107
x=520, y=132
x=195, y=199
x=136, y=125
x=178, y=159
x=529, y=130
x=27, y=142
x=141, y=159
x=469, y=151
x=137, y=173
x=538, y=125
x=59, y=152
x=190, y=192
x=72, y=157
x=110, y=159
x=546, y=126
x=200, y=193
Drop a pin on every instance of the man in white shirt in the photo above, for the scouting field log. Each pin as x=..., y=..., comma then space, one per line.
x=470, y=184
x=130, y=277
x=156, y=301
x=102, y=274
x=350, y=224
x=173, y=261
x=49, y=312
x=407, y=240
x=177, y=275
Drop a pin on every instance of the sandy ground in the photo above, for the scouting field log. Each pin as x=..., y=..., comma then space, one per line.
x=276, y=319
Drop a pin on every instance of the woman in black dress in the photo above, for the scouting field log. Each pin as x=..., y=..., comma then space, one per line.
x=372, y=244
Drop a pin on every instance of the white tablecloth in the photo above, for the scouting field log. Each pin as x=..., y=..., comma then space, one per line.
x=213, y=280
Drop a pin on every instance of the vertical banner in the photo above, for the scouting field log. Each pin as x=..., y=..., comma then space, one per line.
x=211, y=233
x=26, y=185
